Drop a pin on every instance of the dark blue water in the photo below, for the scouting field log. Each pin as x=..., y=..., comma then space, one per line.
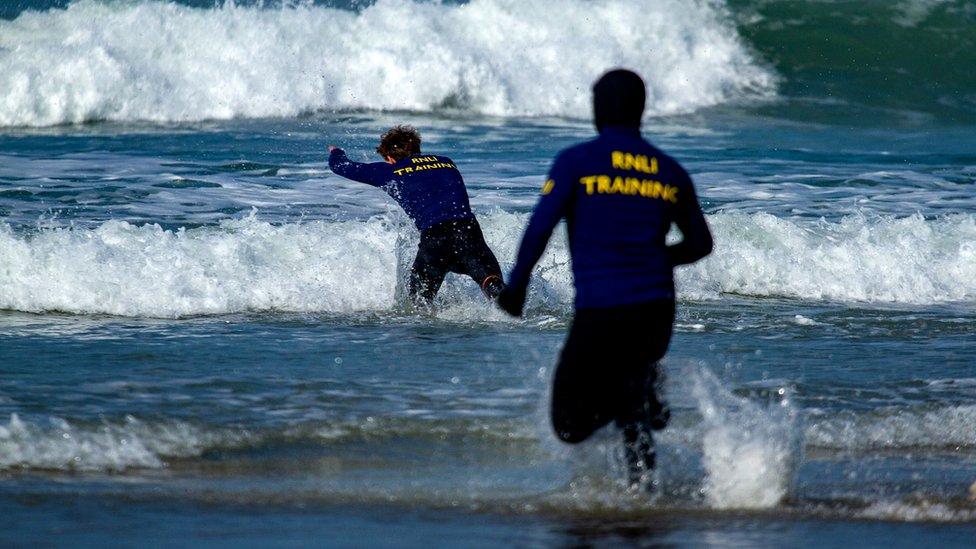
x=202, y=330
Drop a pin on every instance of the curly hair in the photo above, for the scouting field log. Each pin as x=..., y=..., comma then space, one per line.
x=399, y=142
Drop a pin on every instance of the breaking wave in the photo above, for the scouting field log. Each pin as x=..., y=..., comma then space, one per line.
x=61, y=445
x=949, y=428
x=860, y=258
x=164, y=62
x=748, y=451
x=248, y=265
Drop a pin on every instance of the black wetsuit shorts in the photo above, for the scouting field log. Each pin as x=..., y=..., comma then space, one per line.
x=608, y=369
x=455, y=246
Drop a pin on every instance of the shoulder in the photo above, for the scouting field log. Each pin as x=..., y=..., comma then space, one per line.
x=661, y=156
x=379, y=166
x=668, y=164
x=577, y=154
x=444, y=159
x=578, y=149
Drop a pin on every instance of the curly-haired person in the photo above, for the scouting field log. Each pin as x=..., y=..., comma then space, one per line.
x=431, y=191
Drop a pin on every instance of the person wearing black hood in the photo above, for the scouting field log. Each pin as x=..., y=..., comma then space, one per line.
x=620, y=196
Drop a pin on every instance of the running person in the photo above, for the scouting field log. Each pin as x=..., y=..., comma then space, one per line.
x=619, y=195
x=431, y=191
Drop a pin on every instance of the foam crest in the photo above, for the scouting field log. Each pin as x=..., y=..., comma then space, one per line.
x=917, y=512
x=157, y=61
x=749, y=451
x=950, y=427
x=247, y=265
x=61, y=445
x=911, y=13
x=859, y=258
x=243, y=265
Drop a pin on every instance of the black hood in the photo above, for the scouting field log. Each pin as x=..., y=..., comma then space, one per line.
x=618, y=100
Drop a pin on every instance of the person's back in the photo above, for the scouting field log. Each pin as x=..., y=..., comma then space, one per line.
x=619, y=196
x=429, y=188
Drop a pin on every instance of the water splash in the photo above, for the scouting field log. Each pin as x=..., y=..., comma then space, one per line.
x=749, y=450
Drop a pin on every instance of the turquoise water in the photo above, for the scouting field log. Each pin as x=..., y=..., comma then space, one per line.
x=203, y=338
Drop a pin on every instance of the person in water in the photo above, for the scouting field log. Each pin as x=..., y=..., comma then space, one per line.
x=619, y=195
x=431, y=191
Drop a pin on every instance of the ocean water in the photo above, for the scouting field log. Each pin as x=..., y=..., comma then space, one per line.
x=203, y=337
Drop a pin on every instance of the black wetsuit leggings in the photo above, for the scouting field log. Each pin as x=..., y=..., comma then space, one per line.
x=607, y=371
x=456, y=246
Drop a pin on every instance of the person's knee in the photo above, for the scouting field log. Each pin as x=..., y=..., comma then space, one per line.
x=573, y=424
x=569, y=433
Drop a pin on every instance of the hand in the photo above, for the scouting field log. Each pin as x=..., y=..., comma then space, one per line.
x=512, y=300
x=332, y=148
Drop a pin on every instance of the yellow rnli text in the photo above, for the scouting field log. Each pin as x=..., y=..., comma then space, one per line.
x=424, y=163
x=630, y=186
x=621, y=160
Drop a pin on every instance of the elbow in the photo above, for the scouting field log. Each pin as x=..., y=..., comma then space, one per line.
x=707, y=246
x=699, y=248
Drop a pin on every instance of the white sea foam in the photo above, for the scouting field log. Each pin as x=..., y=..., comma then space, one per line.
x=157, y=61
x=749, y=451
x=948, y=427
x=911, y=13
x=61, y=445
x=860, y=258
x=250, y=265
x=243, y=265
x=917, y=512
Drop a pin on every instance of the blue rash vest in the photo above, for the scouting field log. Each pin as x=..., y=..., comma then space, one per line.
x=429, y=188
x=619, y=195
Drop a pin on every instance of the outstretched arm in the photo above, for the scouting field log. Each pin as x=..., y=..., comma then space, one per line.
x=552, y=206
x=696, y=241
x=376, y=174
